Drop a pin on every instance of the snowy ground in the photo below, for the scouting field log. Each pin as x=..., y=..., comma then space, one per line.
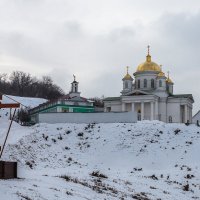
x=144, y=160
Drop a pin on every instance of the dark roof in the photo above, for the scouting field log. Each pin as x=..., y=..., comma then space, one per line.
x=112, y=99
x=64, y=98
x=182, y=96
x=137, y=92
x=75, y=98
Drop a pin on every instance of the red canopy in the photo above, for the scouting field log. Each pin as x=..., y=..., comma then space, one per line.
x=8, y=105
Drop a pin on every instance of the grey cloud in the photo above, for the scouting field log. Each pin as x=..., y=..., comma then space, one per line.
x=67, y=37
x=72, y=29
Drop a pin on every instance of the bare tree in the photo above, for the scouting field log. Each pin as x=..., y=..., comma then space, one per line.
x=23, y=84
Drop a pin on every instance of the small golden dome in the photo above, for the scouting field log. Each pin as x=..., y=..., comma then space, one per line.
x=169, y=80
x=127, y=76
x=161, y=74
x=148, y=65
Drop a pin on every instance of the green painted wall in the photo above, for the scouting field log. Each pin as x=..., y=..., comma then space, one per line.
x=63, y=106
x=83, y=110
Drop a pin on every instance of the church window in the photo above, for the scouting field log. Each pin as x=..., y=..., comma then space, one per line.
x=160, y=83
x=139, y=115
x=75, y=88
x=152, y=83
x=167, y=88
x=126, y=85
x=145, y=83
x=138, y=83
x=108, y=109
x=170, y=119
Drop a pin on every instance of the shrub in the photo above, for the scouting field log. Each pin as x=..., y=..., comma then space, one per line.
x=186, y=187
x=80, y=134
x=98, y=174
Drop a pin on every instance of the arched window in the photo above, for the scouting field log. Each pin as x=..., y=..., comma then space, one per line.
x=167, y=88
x=76, y=88
x=160, y=83
x=138, y=83
x=152, y=83
x=145, y=83
x=139, y=115
x=126, y=84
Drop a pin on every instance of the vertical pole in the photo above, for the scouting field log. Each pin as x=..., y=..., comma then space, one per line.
x=156, y=110
x=142, y=110
x=123, y=107
x=152, y=113
x=133, y=107
x=186, y=114
x=10, y=114
x=8, y=133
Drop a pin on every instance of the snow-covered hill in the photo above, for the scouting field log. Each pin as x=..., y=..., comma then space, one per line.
x=25, y=101
x=144, y=160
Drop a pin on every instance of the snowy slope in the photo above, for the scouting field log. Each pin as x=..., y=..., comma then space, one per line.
x=25, y=101
x=144, y=160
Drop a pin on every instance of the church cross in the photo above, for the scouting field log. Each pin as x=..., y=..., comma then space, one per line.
x=127, y=69
x=74, y=77
x=148, y=47
x=168, y=74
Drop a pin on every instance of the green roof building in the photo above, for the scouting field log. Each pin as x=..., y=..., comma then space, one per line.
x=71, y=102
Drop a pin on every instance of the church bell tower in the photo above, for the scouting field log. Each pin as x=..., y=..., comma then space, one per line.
x=74, y=88
x=127, y=83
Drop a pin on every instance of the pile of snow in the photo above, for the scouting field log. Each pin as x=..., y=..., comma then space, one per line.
x=144, y=160
x=28, y=102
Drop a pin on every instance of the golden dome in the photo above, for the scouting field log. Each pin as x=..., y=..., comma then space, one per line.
x=127, y=76
x=169, y=80
x=148, y=65
x=161, y=74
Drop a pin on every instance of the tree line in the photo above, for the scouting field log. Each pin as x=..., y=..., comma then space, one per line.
x=22, y=84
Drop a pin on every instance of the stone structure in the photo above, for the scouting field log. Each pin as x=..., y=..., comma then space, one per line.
x=71, y=102
x=150, y=94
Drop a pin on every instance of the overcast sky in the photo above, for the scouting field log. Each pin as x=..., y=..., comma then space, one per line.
x=97, y=39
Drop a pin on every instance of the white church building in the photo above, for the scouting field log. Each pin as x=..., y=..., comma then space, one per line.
x=150, y=94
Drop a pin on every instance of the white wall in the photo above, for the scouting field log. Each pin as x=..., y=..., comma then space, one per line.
x=121, y=117
x=162, y=110
x=116, y=106
x=146, y=75
x=173, y=110
x=147, y=111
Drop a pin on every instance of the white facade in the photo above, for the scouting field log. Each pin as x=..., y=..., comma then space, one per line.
x=150, y=94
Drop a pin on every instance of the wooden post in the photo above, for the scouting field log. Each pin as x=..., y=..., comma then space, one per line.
x=7, y=133
x=10, y=113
